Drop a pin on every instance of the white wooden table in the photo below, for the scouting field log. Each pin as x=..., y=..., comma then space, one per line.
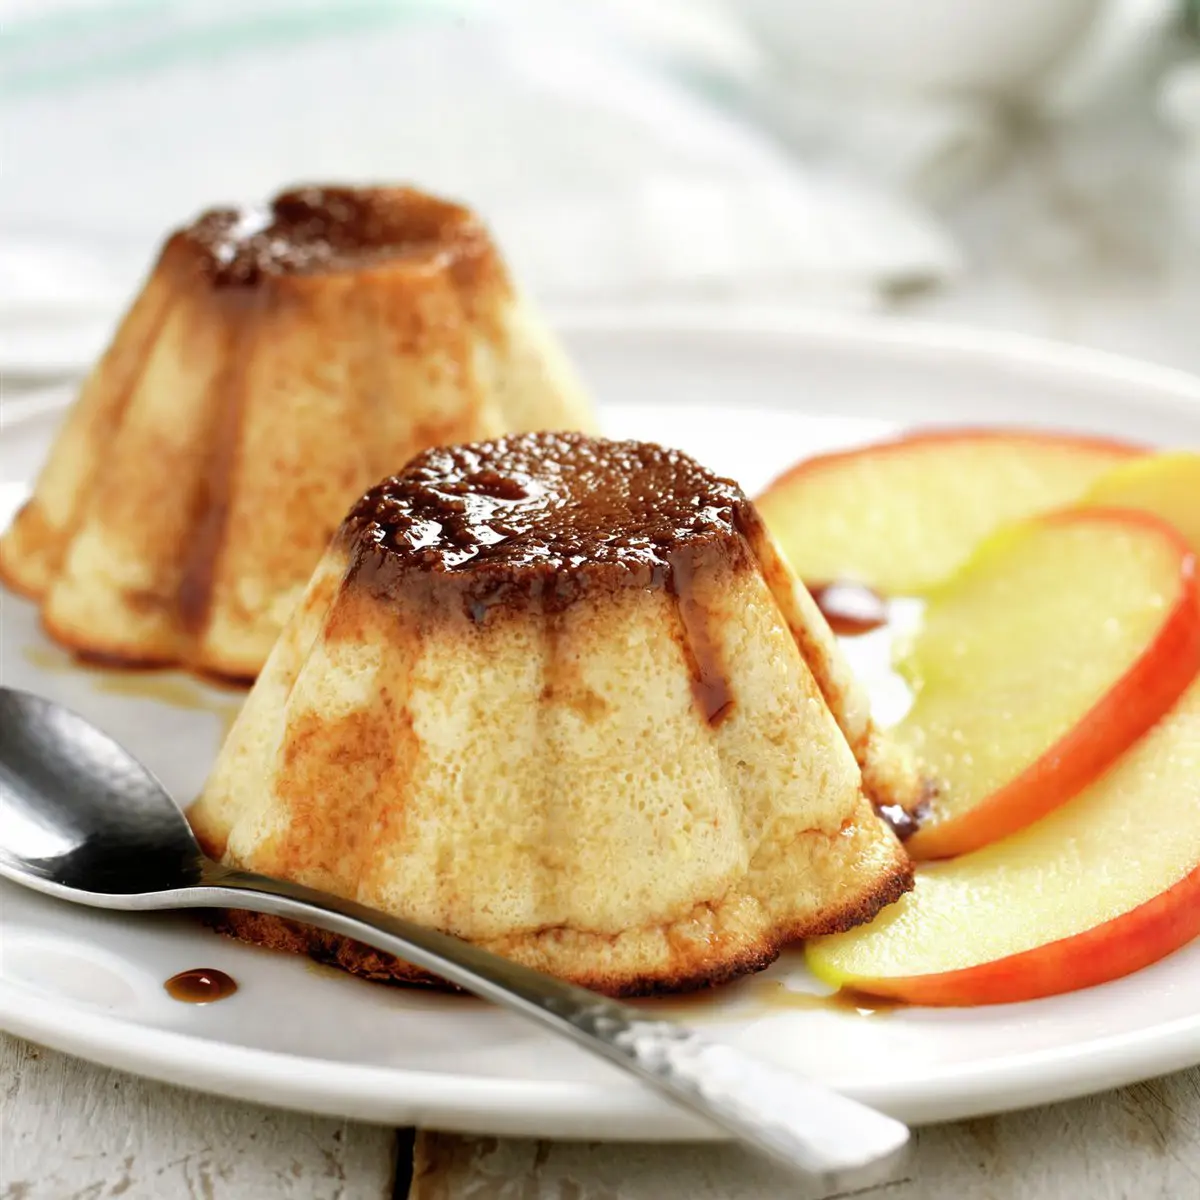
x=1073, y=243
x=71, y=1131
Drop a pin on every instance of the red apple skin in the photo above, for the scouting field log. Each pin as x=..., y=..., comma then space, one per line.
x=962, y=433
x=1127, y=711
x=1108, y=951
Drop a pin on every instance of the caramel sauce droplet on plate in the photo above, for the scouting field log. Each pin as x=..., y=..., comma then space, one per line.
x=200, y=985
x=851, y=609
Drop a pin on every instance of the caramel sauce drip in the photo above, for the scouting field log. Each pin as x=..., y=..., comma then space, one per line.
x=710, y=681
x=851, y=609
x=903, y=823
x=200, y=985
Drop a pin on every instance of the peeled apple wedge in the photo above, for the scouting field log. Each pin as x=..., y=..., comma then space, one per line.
x=902, y=516
x=1041, y=662
x=1103, y=886
x=1167, y=485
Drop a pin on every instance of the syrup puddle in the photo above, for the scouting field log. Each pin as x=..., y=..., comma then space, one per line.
x=754, y=998
x=773, y=995
x=162, y=687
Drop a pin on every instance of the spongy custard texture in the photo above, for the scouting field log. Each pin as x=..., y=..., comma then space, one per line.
x=547, y=785
x=260, y=382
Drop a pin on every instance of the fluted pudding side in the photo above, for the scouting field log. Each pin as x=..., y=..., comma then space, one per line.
x=544, y=520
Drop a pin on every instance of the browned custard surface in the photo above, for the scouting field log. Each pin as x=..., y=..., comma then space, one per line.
x=317, y=230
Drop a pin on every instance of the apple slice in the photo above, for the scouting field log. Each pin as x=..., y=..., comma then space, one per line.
x=1167, y=485
x=1058, y=645
x=901, y=516
x=1105, y=885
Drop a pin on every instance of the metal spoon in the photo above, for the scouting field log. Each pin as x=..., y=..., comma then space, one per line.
x=82, y=820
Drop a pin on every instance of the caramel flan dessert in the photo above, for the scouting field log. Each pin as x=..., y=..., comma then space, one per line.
x=275, y=365
x=558, y=696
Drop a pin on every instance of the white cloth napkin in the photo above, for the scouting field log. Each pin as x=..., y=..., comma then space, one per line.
x=604, y=177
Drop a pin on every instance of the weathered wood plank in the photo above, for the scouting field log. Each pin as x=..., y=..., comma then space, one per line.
x=70, y=1130
x=73, y=1131
x=1141, y=1142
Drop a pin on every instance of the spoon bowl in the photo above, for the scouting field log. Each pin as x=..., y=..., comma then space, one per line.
x=80, y=814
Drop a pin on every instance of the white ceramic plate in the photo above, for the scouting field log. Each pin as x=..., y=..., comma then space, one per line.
x=747, y=400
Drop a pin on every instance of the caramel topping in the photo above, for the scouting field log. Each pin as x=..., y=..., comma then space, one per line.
x=539, y=520
x=318, y=230
x=551, y=511
x=555, y=501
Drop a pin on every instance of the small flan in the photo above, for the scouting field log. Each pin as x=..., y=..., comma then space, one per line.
x=546, y=693
x=276, y=363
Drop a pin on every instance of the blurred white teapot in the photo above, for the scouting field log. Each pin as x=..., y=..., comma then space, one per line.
x=977, y=48
x=917, y=92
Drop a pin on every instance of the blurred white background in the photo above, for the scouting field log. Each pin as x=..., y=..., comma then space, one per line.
x=1025, y=165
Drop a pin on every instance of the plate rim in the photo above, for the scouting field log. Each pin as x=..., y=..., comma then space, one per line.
x=897, y=334
x=627, y=1111
x=508, y=1107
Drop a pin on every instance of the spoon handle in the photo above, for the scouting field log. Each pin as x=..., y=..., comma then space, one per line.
x=800, y=1124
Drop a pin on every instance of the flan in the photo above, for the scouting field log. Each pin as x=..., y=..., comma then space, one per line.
x=546, y=693
x=275, y=365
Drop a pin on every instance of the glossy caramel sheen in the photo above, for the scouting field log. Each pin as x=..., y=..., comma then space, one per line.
x=540, y=519
x=316, y=230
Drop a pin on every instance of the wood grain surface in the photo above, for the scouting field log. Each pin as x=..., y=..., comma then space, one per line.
x=1140, y=1143
x=73, y=1131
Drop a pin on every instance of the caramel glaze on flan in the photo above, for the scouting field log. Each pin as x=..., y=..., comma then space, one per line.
x=330, y=230
x=542, y=693
x=276, y=363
